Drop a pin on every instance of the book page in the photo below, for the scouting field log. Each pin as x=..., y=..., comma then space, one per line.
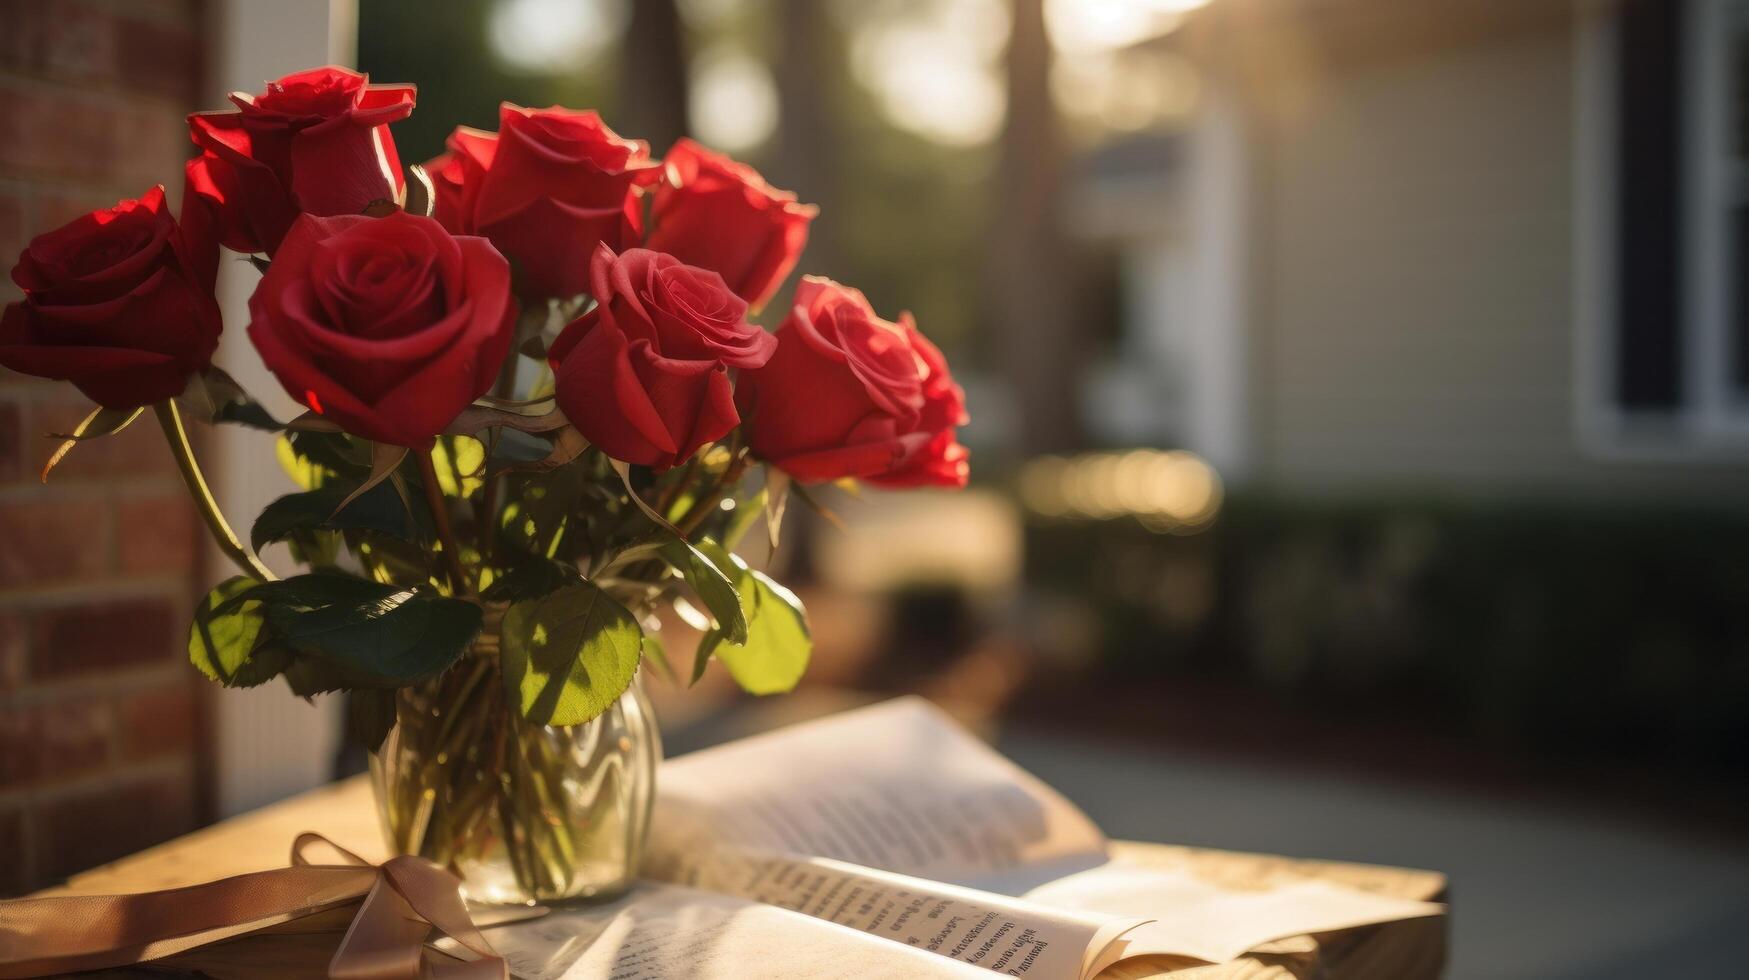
x=1192, y=917
x=995, y=932
x=664, y=931
x=896, y=786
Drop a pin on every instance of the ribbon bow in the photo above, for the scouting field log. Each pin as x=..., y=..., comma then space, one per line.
x=403, y=900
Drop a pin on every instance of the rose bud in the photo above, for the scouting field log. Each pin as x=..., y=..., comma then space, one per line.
x=388, y=326
x=316, y=142
x=851, y=395
x=112, y=303
x=644, y=375
x=550, y=186
x=715, y=213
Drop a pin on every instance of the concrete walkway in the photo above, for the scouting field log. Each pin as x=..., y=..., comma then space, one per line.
x=1537, y=892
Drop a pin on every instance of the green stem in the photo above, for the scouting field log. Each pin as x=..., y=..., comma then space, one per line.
x=458, y=579
x=170, y=420
x=703, y=507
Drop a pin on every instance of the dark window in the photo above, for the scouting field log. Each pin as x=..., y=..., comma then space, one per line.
x=1650, y=154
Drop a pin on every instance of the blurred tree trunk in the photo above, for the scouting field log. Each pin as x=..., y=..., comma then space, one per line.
x=1029, y=279
x=652, y=81
x=809, y=55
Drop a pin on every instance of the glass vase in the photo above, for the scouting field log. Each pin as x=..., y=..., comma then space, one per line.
x=521, y=812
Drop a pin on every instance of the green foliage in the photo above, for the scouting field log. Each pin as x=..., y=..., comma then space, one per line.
x=778, y=645
x=328, y=632
x=223, y=640
x=313, y=459
x=370, y=634
x=742, y=517
x=657, y=653
x=569, y=655
x=101, y=422
x=460, y=464
x=378, y=509
x=214, y=396
x=710, y=583
x=370, y=713
x=530, y=578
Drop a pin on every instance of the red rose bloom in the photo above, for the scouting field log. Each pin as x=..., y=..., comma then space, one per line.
x=851, y=395
x=388, y=326
x=550, y=186
x=113, y=303
x=715, y=213
x=644, y=375
x=315, y=142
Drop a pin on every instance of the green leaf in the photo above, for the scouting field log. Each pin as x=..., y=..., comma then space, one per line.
x=778, y=645
x=508, y=446
x=656, y=653
x=460, y=464
x=214, y=396
x=568, y=656
x=101, y=422
x=710, y=583
x=224, y=636
x=742, y=518
x=370, y=714
x=378, y=509
x=312, y=459
x=530, y=578
x=369, y=634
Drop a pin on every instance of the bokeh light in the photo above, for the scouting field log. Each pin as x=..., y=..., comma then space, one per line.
x=555, y=36
x=1170, y=491
x=734, y=99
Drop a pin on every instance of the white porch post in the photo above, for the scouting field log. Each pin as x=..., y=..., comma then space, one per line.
x=269, y=744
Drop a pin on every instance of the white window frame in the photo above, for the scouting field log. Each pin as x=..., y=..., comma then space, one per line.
x=1712, y=423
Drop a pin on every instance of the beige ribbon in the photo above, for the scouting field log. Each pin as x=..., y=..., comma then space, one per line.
x=404, y=899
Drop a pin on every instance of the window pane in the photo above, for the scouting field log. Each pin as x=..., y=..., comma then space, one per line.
x=1737, y=344
x=1649, y=307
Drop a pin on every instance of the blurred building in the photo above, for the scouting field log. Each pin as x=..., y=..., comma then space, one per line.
x=1473, y=247
x=99, y=732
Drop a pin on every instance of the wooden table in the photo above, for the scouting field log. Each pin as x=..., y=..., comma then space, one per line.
x=344, y=813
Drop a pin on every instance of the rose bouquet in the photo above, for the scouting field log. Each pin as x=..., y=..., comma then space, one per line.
x=538, y=412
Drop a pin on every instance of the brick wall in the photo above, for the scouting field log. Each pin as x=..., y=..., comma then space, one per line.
x=99, y=711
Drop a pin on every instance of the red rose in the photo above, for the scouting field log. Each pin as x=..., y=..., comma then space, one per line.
x=715, y=213
x=113, y=303
x=456, y=176
x=315, y=142
x=851, y=395
x=388, y=326
x=942, y=461
x=550, y=186
x=644, y=375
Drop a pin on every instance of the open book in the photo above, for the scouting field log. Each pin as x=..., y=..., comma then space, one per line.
x=888, y=842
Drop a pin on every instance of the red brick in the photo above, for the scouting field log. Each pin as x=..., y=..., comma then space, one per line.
x=135, y=452
x=12, y=634
x=82, y=42
x=12, y=468
x=54, y=740
x=156, y=534
x=77, y=831
x=13, y=874
x=101, y=636
x=12, y=238
x=17, y=746
x=52, y=541
x=65, y=136
x=156, y=722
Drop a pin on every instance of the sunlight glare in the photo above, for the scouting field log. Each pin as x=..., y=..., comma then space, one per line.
x=1079, y=26
x=734, y=104
x=555, y=36
x=937, y=73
